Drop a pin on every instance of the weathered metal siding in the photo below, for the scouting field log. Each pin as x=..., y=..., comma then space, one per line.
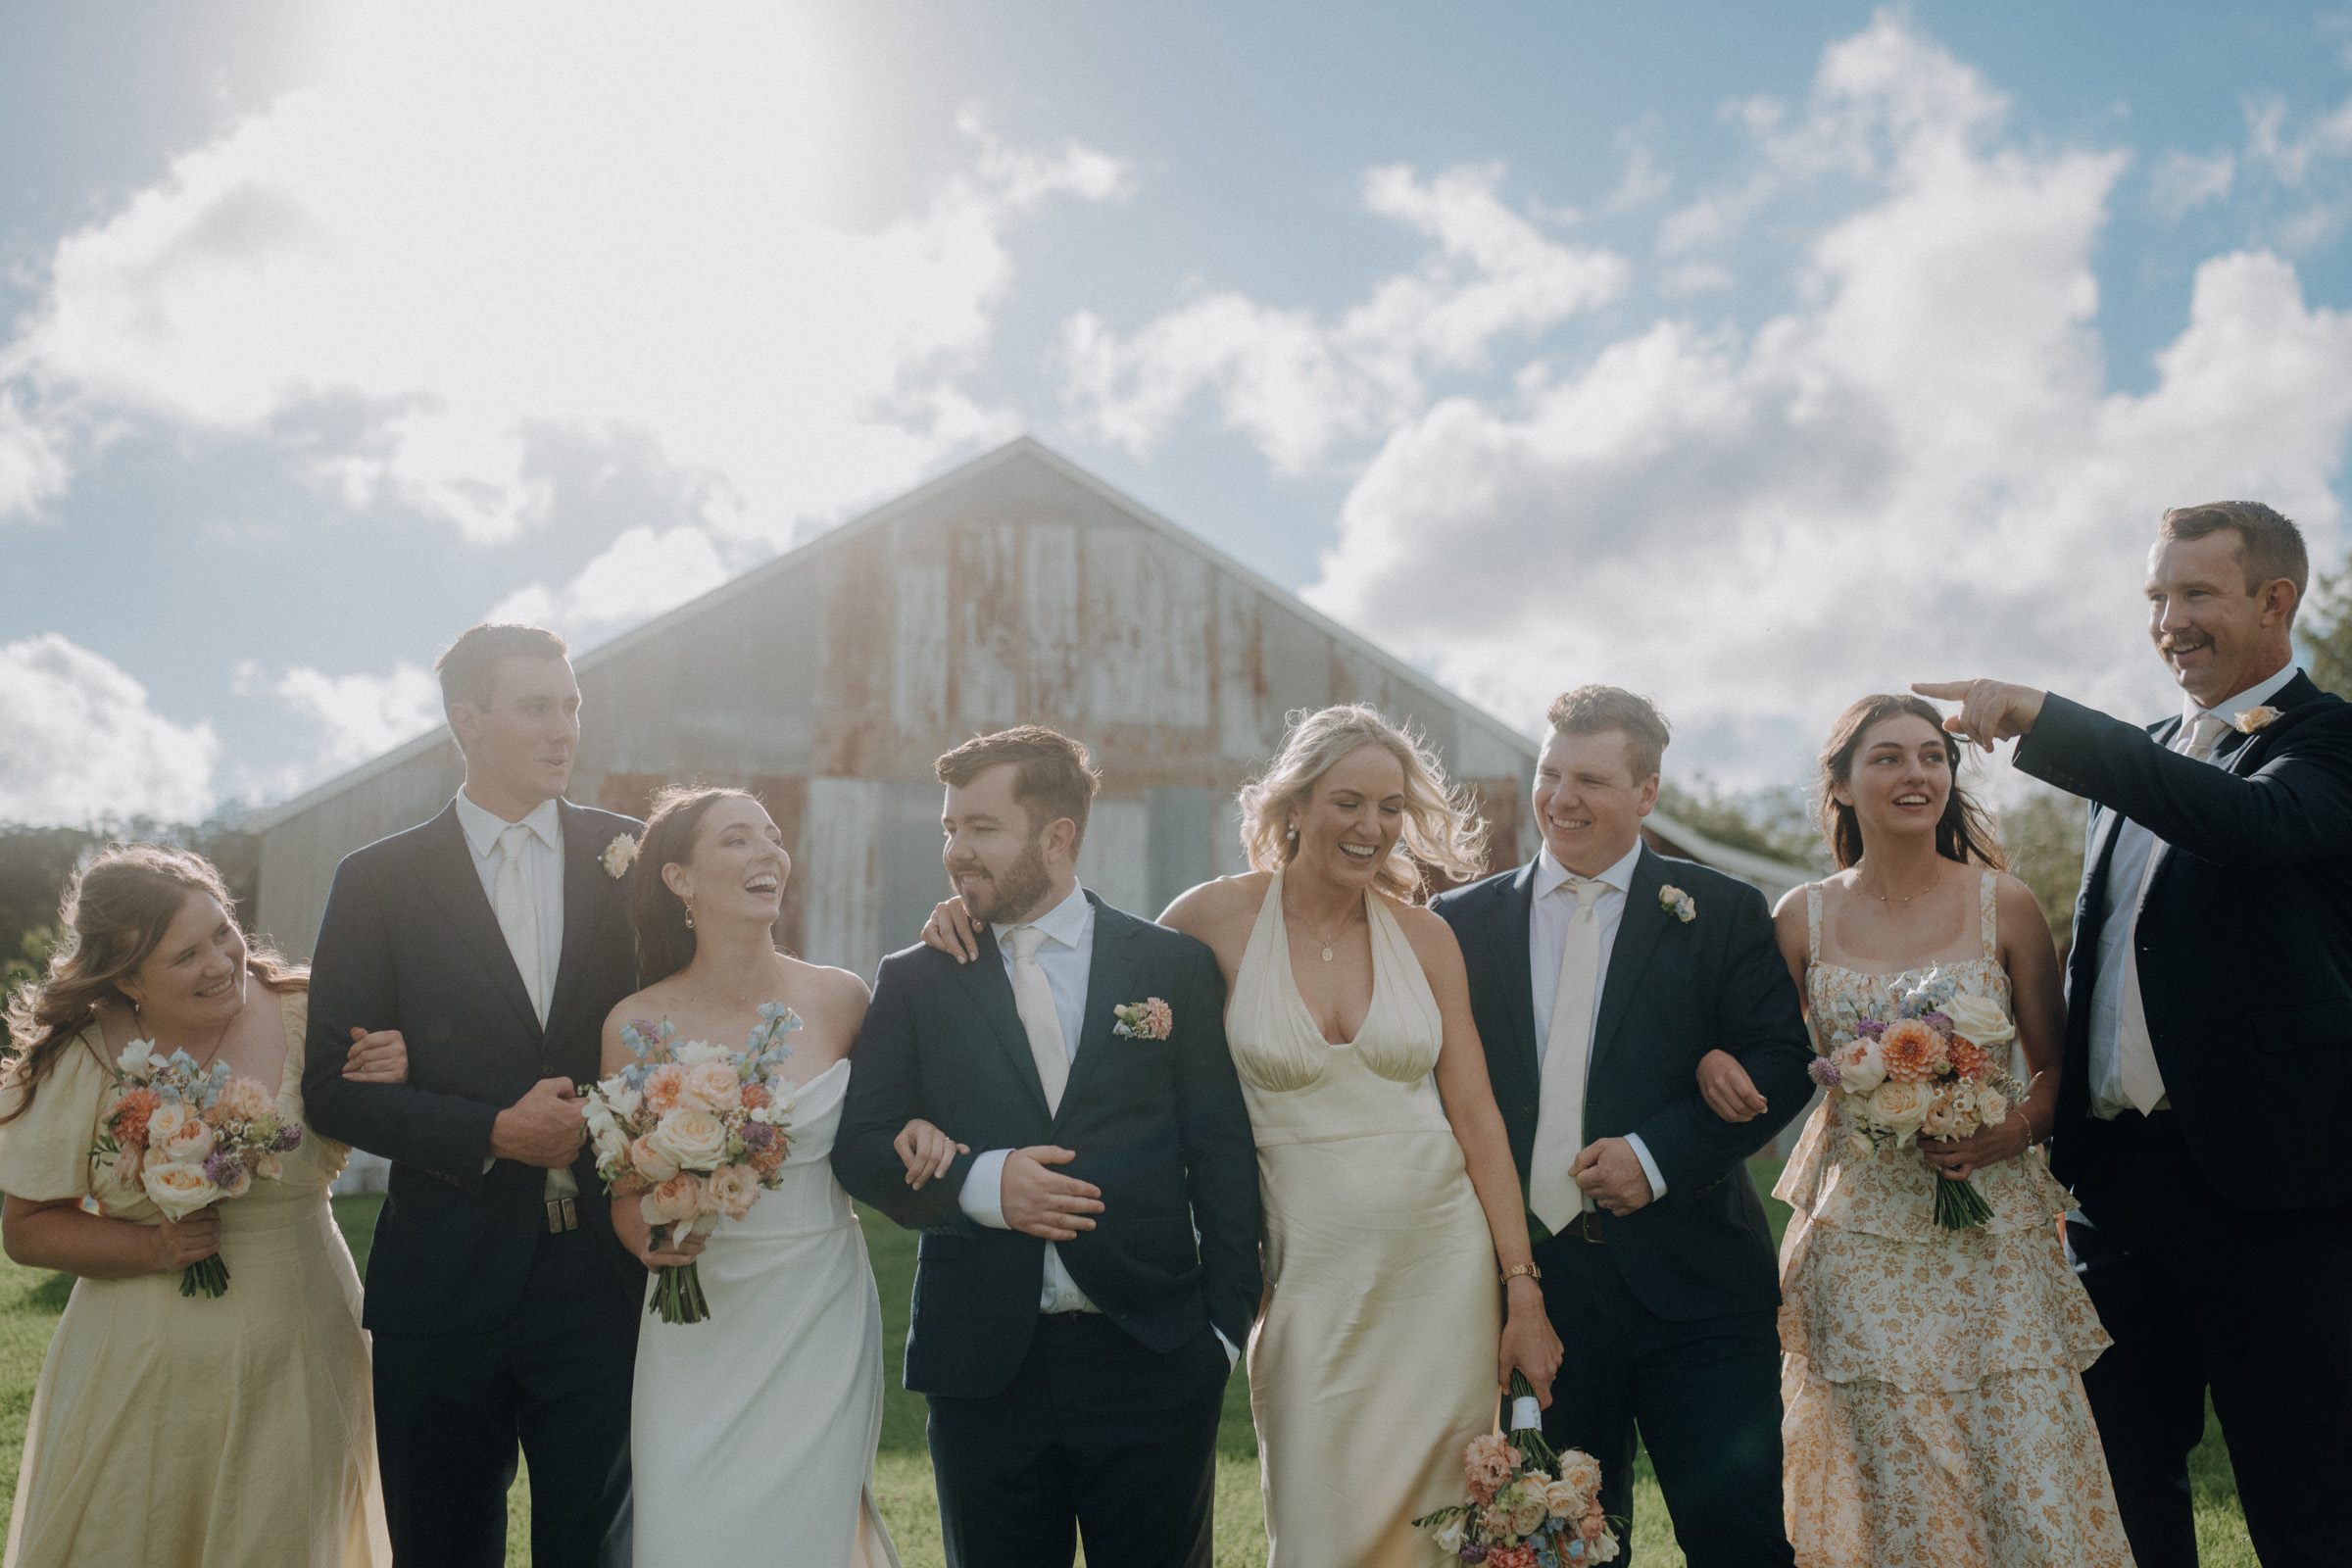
x=299, y=855
x=831, y=682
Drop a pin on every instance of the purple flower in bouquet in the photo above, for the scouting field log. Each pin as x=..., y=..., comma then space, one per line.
x=757, y=1135
x=1473, y=1552
x=220, y=1168
x=1869, y=1028
x=1937, y=1020
x=1822, y=1071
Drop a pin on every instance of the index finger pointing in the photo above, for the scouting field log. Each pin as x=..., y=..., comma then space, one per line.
x=1950, y=691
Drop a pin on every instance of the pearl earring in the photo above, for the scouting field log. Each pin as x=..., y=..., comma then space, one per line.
x=689, y=915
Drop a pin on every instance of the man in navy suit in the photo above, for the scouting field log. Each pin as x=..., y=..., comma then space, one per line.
x=2209, y=1044
x=493, y=940
x=1085, y=1278
x=1601, y=973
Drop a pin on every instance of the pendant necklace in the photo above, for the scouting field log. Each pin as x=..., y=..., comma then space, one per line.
x=1326, y=936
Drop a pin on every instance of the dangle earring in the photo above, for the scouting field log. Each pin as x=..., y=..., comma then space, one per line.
x=689, y=902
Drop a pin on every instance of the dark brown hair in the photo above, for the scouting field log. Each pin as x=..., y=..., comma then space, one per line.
x=1053, y=781
x=665, y=941
x=1591, y=709
x=114, y=914
x=468, y=666
x=1964, y=833
x=2270, y=546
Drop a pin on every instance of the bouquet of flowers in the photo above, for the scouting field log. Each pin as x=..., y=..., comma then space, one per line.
x=189, y=1137
x=1529, y=1508
x=691, y=1131
x=1928, y=1072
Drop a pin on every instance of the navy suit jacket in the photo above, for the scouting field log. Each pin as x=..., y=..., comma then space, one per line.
x=1158, y=1125
x=410, y=943
x=1673, y=990
x=2244, y=940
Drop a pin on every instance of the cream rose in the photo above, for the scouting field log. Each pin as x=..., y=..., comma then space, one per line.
x=1860, y=1067
x=180, y=1190
x=1992, y=1106
x=690, y=1138
x=188, y=1144
x=1900, y=1106
x=711, y=1086
x=736, y=1188
x=1979, y=1021
x=1581, y=1470
x=1529, y=1512
x=269, y=1167
x=695, y=1052
x=674, y=1199
x=1565, y=1501
x=166, y=1119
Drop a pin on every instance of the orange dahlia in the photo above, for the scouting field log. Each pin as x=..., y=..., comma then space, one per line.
x=1913, y=1051
x=131, y=1112
x=1969, y=1060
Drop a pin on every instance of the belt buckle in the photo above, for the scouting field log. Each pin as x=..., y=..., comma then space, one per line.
x=562, y=1214
x=1588, y=1228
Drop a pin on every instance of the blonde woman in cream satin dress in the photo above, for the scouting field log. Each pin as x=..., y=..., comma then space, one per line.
x=1391, y=1201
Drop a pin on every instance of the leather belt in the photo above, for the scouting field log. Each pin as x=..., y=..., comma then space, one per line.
x=1585, y=1227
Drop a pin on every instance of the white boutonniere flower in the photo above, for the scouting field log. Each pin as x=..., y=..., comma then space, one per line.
x=1675, y=901
x=2254, y=719
x=619, y=856
x=1147, y=1019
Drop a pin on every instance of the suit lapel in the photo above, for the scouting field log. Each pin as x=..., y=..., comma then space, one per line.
x=1514, y=920
x=1109, y=976
x=446, y=868
x=583, y=888
x=989, y=992
x=1643, y=922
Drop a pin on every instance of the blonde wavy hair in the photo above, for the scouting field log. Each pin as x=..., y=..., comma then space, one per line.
x=1442, y=830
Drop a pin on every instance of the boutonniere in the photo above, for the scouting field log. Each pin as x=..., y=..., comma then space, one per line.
x=619, y=856
x=1147, y=1019
x=2253, y=719
x=1675, y=901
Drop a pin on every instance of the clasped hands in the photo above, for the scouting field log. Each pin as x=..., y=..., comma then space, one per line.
x=1035, y=1200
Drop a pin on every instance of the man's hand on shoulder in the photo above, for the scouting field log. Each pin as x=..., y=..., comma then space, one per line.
x=1990, y=709
x=542, y=1128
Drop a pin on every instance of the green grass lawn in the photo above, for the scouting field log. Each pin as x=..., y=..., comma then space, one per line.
x=31, y=1300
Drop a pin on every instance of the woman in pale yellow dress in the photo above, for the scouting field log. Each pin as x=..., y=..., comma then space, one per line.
x=1933, y=1389
x=166, y=1429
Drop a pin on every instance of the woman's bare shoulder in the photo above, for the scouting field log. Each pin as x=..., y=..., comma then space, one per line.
x=1215, y=903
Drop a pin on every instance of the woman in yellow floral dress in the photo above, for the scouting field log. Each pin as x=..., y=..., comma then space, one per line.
x=168, y=1429
x=1933, y=1389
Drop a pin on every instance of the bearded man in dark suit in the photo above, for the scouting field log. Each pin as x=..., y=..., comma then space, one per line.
x=2209, y=1044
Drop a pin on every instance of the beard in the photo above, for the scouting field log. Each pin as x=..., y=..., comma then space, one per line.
x=1017, y=890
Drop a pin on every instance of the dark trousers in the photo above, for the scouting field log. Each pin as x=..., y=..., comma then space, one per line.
x=2256, y=1307
x=451, y=1408
x=1705, y=1397
x=1094, y=1433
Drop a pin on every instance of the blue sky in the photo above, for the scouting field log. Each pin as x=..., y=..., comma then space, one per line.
x=1753, y=356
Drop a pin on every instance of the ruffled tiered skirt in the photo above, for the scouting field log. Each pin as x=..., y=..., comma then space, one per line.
x=1932, y=1392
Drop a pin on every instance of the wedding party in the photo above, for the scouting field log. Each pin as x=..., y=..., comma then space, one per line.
x=858, y=784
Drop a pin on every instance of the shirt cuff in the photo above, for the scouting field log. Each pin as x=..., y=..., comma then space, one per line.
x=982, y=1198
x=1649, y=1166
x=1231, y=1354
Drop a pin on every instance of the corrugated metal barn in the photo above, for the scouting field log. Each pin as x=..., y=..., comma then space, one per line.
x=1016, y=589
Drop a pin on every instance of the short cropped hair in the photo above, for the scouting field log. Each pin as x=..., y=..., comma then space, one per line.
x=2271, y=546
x=1053, y=779
x=1591, y=709
x=469, y=668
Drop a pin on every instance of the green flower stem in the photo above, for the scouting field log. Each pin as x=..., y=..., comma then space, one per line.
x=208, y=1274
x=1959, y=1207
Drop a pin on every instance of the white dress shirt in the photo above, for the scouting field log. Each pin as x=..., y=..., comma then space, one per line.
x=1066, y=956
x=543, y=870
x=2126, y=878
x=1547, y=918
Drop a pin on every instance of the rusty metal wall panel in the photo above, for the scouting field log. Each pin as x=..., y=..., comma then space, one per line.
x=299, y=855
x=1240, y=672
x=985, y=589
x=838, y=867
x=1116, y=861
x=918, y=651
x=1050, y=629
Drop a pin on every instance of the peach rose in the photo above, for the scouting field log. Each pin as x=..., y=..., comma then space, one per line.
x=1565, y=1500
x=673, y=1200
x=189, y=1143
x=1582, y=1471
x=180, y=1190
x=1595, y=1523
x=1860, y=1067
x=711, y=1086
x=1947, y=1116
x=651, y=1163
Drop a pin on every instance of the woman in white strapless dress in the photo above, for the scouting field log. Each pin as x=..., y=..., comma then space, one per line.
x=752, y=1433
x=1933, y=1389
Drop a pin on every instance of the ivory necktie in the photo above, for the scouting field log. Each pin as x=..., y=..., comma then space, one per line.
x=1033, y=997
x=517, y=907
x=2142, y=1084
x=1551, y=1193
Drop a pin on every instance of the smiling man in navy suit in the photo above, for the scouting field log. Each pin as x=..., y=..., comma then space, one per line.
x=2209, y=1044
x=1085, y=1276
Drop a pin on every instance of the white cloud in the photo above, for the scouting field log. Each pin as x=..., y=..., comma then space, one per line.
x=488, y=220
x=2184, y=180
x=1295, y=385
x=78, y=742
x=358, y=715
x=1916, y=472
x=31, y=469
x=641, y=574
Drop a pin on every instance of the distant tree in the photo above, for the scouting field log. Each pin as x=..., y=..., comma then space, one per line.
x=35, y=863
x=2043, y=835
x=1774, y=822
x=2328, y=635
